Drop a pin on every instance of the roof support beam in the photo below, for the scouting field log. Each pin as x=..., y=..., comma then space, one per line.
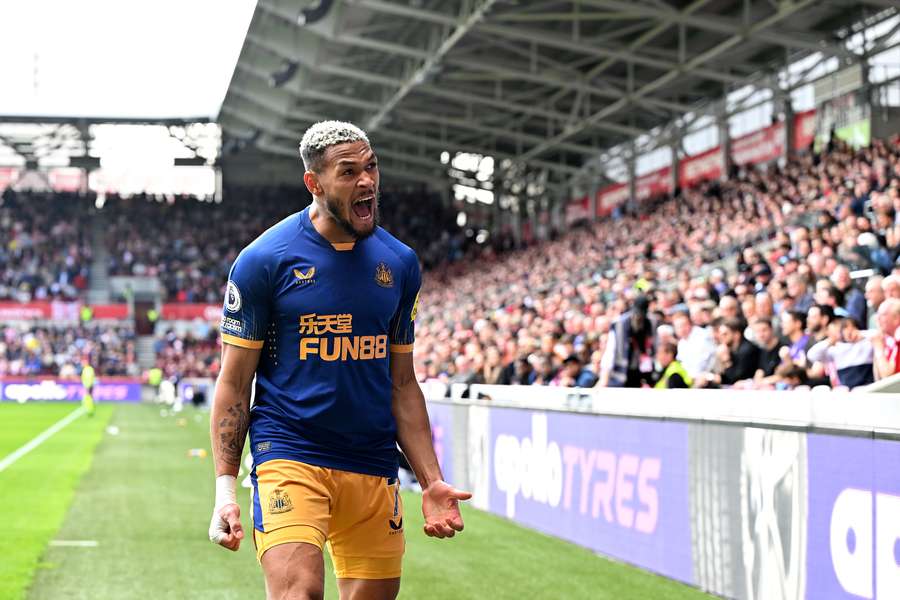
x=274, y=44
x=268, y=44
x=465, y=124
x=531, y=110
x=400, y=10
x=462, y=124
x=253, y=96
x=714, y=23
x=784, y=11
x=556, y=41
x=254, y=120
x=418, y=75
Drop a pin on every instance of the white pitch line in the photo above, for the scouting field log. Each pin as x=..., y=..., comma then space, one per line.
x=74, y=543
x=40, y=438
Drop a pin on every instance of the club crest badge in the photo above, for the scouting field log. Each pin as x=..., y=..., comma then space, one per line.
x=280, y=502
x=383, y=275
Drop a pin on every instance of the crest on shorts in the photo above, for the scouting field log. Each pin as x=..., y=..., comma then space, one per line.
x=383, y=275
x=279, y=502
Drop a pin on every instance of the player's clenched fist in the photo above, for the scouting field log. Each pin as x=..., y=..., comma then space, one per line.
x=225, y=526
x=440, y=506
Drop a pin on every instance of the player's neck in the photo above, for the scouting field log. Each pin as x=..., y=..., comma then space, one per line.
x=327, y=227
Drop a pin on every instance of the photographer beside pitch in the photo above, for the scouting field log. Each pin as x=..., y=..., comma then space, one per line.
x=321, y=309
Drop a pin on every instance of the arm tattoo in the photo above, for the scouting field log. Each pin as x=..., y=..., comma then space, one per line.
x=232, y=431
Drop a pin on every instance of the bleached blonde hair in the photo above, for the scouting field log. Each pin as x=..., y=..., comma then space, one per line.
x=324, y=134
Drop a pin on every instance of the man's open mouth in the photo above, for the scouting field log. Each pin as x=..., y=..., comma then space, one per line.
x=362, y=207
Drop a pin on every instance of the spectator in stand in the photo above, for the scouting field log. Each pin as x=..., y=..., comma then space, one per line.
x=738, y=359
x=573, y=374
x=874, y=298
x=730, y=308
x=544, y=372
x=464, y=371
x=854, y=300
x=886, y=339
x=789, y=376
x=891, y=286
x=519, y=372
x=845, y=355
x=798, y=289
x=769, y=348
x=817, y=320
x=696, y=347
x=493, y=366
x=630, y=348
x=671, y=374
x=797, y=340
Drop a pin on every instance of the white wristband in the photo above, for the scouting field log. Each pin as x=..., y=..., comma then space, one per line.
x=225, y=490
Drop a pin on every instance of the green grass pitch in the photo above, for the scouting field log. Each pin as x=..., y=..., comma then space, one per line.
x=146, y=504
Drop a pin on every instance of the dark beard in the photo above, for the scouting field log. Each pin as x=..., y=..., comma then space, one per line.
x=333, y=211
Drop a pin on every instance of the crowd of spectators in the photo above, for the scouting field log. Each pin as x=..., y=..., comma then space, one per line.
x=45, y=243
x=774, y=278
x=45, y=249
x=189, y=354
x=190, y=245
x=747, y=282
x=62, y=349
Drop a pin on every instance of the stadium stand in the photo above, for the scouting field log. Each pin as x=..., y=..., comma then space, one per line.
x=190, y=245
x=188, y=355
x=784, y=231
x=59, y=349
x=44, y=247
x=754, y=247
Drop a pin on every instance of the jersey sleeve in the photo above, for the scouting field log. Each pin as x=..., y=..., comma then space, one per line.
x=403, y=324
x=245, y=312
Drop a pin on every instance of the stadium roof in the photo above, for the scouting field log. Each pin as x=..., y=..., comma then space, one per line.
x=71, y=66
x=547, y=84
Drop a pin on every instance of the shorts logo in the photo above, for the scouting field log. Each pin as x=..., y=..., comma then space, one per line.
x=280, y=502
x=305, y=278
x=383, y=275
x=396, y=526
x=232, y=297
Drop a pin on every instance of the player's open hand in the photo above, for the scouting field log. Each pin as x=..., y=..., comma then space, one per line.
x=225, y=527
x=440, y=505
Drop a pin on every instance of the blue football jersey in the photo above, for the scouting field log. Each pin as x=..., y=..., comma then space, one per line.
x=326, y=318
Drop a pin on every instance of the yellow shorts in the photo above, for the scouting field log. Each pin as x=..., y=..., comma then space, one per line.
x=359, y=517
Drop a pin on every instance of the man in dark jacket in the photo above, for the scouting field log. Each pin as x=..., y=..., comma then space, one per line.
x=630, y=348
x=741, y=358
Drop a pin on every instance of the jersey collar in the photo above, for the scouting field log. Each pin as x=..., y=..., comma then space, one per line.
x=319, y=238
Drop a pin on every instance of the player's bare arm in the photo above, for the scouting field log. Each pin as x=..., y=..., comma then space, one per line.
x=440, y=500
x=229, y=421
